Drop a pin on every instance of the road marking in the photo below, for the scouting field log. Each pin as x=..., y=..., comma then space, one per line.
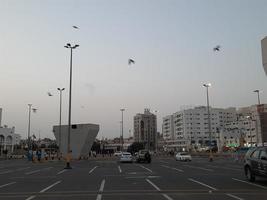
x=146, y=168
x=32, y=172
x=203, y=184
x=141, y=177
x=92, y=169
x=224, y=168
x=102, y=185
x=1, y=186
x=21, y=169
x=260, y=186
x=163, y=162
x=30, y=198
x=119, y=167
x=235, y=197
x=62, y=171
x=151, y=183
x=210, y=170
x=158, y=189
x=101, y=189
x=6, y=172
x=47, y=188
x=172, y=168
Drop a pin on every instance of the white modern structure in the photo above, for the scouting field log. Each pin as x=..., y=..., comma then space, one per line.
x=8, y=137
x=82, y=137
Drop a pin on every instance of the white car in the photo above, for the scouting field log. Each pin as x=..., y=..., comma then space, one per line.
x=183, y=156
x=126, y=157
x=118, y=153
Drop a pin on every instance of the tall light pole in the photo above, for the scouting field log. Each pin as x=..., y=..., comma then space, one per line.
x=256, y=124
x=29, y=129
x=209, y=123
x=122, y=109
x=68, y=46
x=258, y=94
x=60, y=111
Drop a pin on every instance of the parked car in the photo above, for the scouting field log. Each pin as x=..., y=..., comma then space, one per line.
x=143, y=156
x=126, y=157
x=256, y=163
x=118, y=153
x=183, y=156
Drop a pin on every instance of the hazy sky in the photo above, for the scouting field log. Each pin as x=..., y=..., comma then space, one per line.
x=170, y=40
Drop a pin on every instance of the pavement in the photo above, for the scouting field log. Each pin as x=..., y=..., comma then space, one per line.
x=163, y=179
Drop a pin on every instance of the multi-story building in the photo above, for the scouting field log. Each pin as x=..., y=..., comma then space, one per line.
x=145, y=129
x=167, y=128
x=191, y=125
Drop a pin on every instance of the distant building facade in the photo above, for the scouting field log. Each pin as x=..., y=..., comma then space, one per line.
x=145, y=129
x=190, y=126
x=8, y=137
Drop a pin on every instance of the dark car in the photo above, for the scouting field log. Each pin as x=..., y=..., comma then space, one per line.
x=143, y=156
x=256, y=163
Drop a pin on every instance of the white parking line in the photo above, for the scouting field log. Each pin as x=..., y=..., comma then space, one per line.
x=260, y=186
x=163, y=162
x=194, y=167
x=21, y=169
x=119, y=167
x=203, y=184
x=6, y=172
x=30, y=198
x=158, y=189
x=44, y=190
x=235, y=197
x=32, y=172
x=146, y=168
x=218, y=167
x=47, y=188
x=62, y=171
x=1, y=186
x=92, y=169
x=101, y=189
x=172, y=168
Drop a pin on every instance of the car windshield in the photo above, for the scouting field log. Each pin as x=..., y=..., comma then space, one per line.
x=184, y=154
x=133, y=99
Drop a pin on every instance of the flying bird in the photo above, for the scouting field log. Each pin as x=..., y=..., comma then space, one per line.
x=76, y=27
x=49, y=94
x=131, y=61
x=217, y=48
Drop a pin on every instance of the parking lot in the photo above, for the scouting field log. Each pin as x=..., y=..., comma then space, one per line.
x=99, y=179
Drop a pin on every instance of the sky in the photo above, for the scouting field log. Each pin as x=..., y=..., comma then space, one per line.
x=171, y=42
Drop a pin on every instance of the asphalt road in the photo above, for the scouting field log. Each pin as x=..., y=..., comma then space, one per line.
x=163, y=179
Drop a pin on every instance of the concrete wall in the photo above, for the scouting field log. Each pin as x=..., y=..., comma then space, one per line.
x=81, y=138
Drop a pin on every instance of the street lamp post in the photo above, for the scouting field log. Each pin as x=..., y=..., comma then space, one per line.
x=29, y=129
x=60, y=111
x=209, y=123
x=256, y=124
x=122, y=109
x=68, y=46
x=258, y=94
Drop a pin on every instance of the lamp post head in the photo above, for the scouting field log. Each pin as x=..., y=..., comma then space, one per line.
x=207, y=85
x=256, y=91
x=75, y=46
x=122, y=109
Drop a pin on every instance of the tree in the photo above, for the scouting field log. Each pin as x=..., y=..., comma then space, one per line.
x=135, y=147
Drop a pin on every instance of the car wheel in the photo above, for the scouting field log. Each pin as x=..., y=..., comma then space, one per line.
x=249, y=174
